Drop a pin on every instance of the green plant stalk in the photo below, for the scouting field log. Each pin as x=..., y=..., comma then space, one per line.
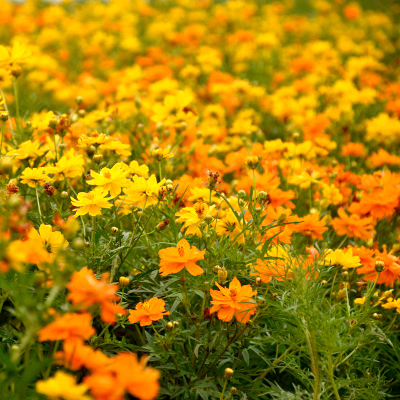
x=38, y=203
x=93, y=234
x=221, y=397
x=16, y=97
x=332, y=378
x=312, y=348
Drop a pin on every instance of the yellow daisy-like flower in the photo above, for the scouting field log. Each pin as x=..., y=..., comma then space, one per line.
x=111, y=180
x=161, y=154
x=52, y=241
x=140, y=170
x=192, y=217
x=91, y=203
x=94, y=139
x=69, y=166
x=344, y=258
x=35, y=177
x=62, y=386
x=229, y=225
x=143, y=192
x=18, y=54
x=28, y=150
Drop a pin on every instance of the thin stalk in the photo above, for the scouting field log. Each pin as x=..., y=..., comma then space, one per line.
x=221, y=397
x=38, y=203
x=93, y=233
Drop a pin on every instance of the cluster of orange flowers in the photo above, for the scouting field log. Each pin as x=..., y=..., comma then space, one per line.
x=191, y=130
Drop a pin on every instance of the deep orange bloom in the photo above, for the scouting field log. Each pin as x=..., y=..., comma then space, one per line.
x=353, y=225
x=390, y=273
x=86, y=290
x=174, y=259
x=147, y=312
x=381, y=203
x=311, y=225
x=126, y=373
x=69, y=327
x=268, y=269
x=235, y=301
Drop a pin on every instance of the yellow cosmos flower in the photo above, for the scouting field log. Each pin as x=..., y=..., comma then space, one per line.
x=28, y=150
x=111, y=180
x=91, y=203
x=18, y=54
x=35, y=177
x=69, y=166
x=94, y=139
x=140, y=170
x=344, y=258
x=229, y=225
x=161, y=154
x=52, y=241
x=192, y=217
x=62, y=387
x=117, y=147
x=143, y=192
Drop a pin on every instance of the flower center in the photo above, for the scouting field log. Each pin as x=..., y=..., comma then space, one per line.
x=181, y=250
x=230, y=226
x=199, y=208
x=107, y=175
x=233, y=292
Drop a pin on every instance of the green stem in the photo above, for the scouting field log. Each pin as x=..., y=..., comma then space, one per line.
x=38, y=203
x=160, y=170
x=221, y=397
x=93, y=234
x=16, y=97
x=332, y=378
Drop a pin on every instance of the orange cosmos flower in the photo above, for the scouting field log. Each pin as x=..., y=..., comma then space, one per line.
x=174, y=259
x=69, y=327
x=381, y=203
x=311, y=225
x=147, y=312
x=126, y=373
x=391, y=269
x=86, y=290
x=353, y=225
x=235, y=301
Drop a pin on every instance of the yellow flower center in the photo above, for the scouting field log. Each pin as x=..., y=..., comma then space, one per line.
x=181, y=250
x=146, y=305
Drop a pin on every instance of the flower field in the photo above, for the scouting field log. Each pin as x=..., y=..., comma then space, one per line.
x=199, y=200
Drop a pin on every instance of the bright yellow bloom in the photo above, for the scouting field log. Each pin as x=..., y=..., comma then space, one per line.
x=94, y=139
x=35, y=177
x=344, y=258
x=28, y=150
x=111, y=180
x=140, y=170
x=91, y=203
x=52, y=241
x=161, y=154
x=331, y=195
x=192, y=217
x=230, y=226
x=143, y=192
x=69, y=166
x=62, y=387
x=118, y=147
x=18, y=54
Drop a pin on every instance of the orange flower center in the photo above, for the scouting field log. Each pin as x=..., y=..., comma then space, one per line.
x=107, y=175
x=181, y=250
x=199, y=208
x=233, y=293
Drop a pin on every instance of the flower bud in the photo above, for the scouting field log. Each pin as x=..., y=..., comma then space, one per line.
x=228, y=373
x=222, y=274
x=208, y=219
x=64, y=194
x=168, y=182
x=124, y=281
x=252, y=162
x=6, y=165
x=163, y=224
x=48, y=189
x=241, y=194
x=53, y=123
x=98, y=158
x=3, y=116
x=79, y=100
x=78, y=244
x=263, y=195
x=114, y=230
x=176, y=324
x=14, y=201
x=16, y=71
x=216, y=268
x=258, y=281
x=379, y=266
x=234, y=390
x=341, y=294
x=169, y=326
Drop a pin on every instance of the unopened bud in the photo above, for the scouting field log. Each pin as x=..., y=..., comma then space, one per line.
x=78, y=244
x=114, y=230
x=258, y=281
x=208, y=219
x=379, y=266
x=124, y=281
x=16, y=71
x=98, y=158
x=241, y=194
x=6, y=165
x=252, y=162
x=216, y=268
x=53, y=123
x=64, y=194
x=3, y=116
x=234, y=390
x=169, y=326
x=222, y=274
x=176, y=324
x=263, y=195
x=228, y=373
x=79, y=100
